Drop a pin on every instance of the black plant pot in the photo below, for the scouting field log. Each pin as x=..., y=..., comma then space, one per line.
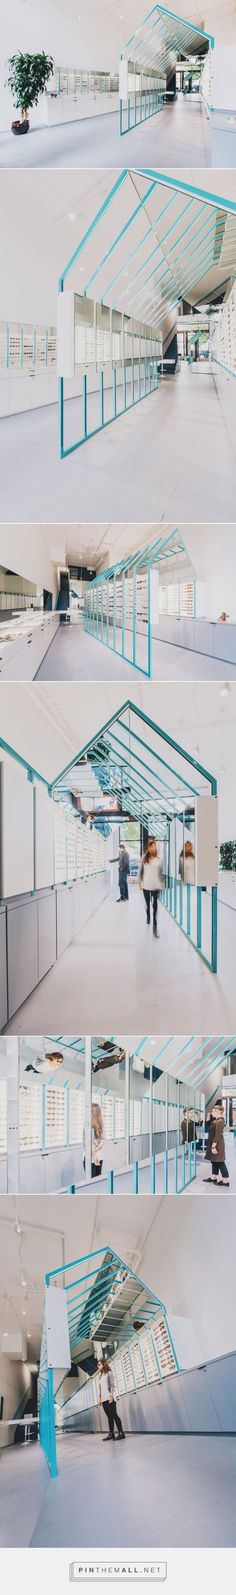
x=20, y=127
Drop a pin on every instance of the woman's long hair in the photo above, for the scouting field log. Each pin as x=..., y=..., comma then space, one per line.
x=105, y=1365
x=149, y=850
x=97, y=1124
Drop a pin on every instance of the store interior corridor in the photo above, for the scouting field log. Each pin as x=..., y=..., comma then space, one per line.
x=145, y=463
x=95, y=140
x=117, y=972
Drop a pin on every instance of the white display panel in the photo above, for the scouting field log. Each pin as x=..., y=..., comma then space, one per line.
x=206, y=841
x=57, y=1333
x=44, y=810
x=60, y=843
x=30, y=1117
x=17, y=831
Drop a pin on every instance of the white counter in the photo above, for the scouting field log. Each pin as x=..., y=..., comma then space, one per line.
x=29, y=638
x=215, y=638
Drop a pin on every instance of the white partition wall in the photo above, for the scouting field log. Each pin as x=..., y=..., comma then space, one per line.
x=16, y=831
x=44, y=812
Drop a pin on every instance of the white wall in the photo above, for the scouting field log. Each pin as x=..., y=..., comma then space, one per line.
x=32, y=557
x=212, y=550
x=15, y=1378
x=190, y=1268
x=97, y=39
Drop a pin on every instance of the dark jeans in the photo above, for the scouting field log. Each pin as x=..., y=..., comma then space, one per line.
x=96, y=1169
x=124, y=891
x=113, y=1416
x=220, y=1168
x=154, y=896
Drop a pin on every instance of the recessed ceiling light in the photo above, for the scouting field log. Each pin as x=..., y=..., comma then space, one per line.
x=71, y=216
x=224, y=691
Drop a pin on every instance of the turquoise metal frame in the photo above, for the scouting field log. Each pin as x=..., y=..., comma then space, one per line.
x=151, y=800
x=156, y=46
x=180, y=270
x=102, y=592
x=88, y=1290
x=147, y=794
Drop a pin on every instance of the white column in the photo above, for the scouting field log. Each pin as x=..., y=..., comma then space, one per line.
x=127, y=1107
x=13, y=1146
x=88, y=1107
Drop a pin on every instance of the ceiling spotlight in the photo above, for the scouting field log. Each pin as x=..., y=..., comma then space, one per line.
x=224, y=691
x=24, y=1312
x=196, y=750
x=222, y=769
x=18, y=1228
x=71, y=216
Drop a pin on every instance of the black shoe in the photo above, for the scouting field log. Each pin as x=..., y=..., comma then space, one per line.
x=224, y=1184
x=106, y=1437
x=156, y=932
x=148, y=923
x=209, y=1181
x=119, y=899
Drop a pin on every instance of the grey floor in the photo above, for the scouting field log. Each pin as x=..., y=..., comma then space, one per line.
x=115, y=972
x=173, y=456
x=161, y=141
x=152, y=1490
x=74, y=656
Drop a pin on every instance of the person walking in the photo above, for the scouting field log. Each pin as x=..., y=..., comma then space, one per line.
x=187, y=864
x=107, y=1400
x=46, y=1065
x=97, y=1142
x=123, y=872
x=150, y=880
x=216, y=1143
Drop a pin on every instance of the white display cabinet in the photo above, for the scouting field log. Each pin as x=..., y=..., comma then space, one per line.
x=24, y=641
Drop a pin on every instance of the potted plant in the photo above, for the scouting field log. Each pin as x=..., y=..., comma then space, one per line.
x=27, y=78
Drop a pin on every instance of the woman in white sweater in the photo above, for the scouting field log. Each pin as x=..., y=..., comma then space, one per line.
x=97, y=1142
x=151, y=880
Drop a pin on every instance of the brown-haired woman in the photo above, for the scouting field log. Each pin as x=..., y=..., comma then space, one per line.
x=150, y=880
x=97, y=1141
x=107, y=1400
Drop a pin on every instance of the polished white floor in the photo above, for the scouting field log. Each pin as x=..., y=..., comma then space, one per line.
x=161, y=141
x=172, y=456
x=150, y=1490
x=74, y=656
x=116, y=978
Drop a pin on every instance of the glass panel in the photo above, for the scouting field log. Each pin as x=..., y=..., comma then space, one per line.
x=142, y=584
x=55, y=1116
x=30, y=1117
x=3, y=1116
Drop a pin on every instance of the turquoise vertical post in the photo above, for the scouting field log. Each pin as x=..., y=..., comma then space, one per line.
x=135, y=1178
x=52, y=1431
x=84, y=403
x=120, y=123
x=153, y=1174
x=165, y=1174
x=183, y=1165
x=114, y=393
x=188, y=909
x=134, y=619
x=123, y=635
x=175, y=1170
x=110, y=1182
x=189, y=1161
x=149, y=622
x=181, y=903
x=214, y=915
x=61, y=417
x=101, y=398
x=199, y=917
x=43, y=1118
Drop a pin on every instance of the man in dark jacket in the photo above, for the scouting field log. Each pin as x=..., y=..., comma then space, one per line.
x=216, y=1149
x=123, y=872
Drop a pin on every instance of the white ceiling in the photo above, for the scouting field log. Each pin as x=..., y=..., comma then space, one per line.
x=162, y=1238
x=36, y=206
x=94, y=35
x=49, y=723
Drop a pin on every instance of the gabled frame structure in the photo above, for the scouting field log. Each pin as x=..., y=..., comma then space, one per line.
x=149, y=60
x=173, y=241
x=121, y=604
x=128, y=757
x=103, y=1295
